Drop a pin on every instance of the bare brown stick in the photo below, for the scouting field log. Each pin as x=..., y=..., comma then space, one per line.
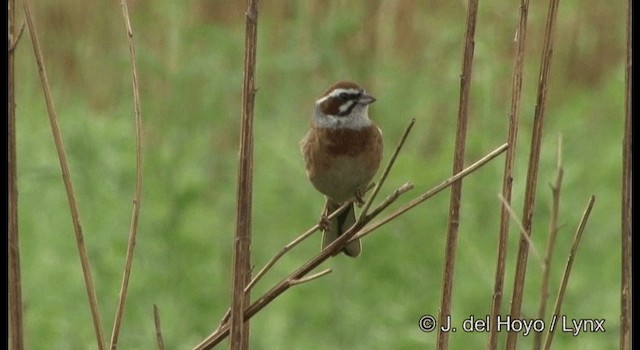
x=242, y=247
x=15, y=39
x=388, y=201
x=15, y=280
x=523, y=232
x=156, y=322
x=66, y=177
x=551, y=240
x=284, y=250
x=625, y=288
x=532, y=171
x=507, y=178
x=137, y=196
x=567, y=271
x=291, y=280
x=385, y=173
x=458, y=165
x=281, y=253
x=432, y=192
x=357, y=230
x=292, y=244
x=306, y=279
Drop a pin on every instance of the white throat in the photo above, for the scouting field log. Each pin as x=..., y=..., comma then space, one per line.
x=358, y=119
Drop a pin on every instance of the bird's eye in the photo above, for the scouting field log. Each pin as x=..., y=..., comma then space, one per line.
x=344, y=96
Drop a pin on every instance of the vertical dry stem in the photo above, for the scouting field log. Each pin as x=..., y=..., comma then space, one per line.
x=567, y=269
x=223, y=330
x=242, y=246
x=66, y=177
x=532, y=172
x=507, y=179
x=158, y=328
x=551, y=240
x=458, y=164
x=15, y=283
x=625, y=290
x=135, y=212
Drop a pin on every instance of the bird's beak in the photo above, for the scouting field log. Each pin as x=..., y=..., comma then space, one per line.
x=366, y=99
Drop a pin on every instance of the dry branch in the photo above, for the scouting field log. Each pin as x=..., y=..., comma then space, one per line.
x=551, y=240
x=15, y=39
x=458, y=165
x=357, y=230
x=507, y=178
x=532, y=171
x=523, y=232
x=625, y=288
x=432, y=192
x=567, y=269
x=13, y=242
x=282, y=252
x=385, y=173
x=242, y=246
x=135, y=211
x=158, y=328
x=66, y=177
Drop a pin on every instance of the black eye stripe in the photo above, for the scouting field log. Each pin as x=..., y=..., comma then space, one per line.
x=352, y=103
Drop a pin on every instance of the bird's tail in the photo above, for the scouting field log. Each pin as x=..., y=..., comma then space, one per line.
x=338, y=225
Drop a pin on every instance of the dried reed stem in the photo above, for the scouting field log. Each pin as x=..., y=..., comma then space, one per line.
x=625, y=289
x=295, y=277
x=13, y=244
x=567, y=269
x=158, y=328
x=135, y=212
x=523, y=232
x=507, y=178
x=281, y=253
x=242, y=247
x=385, y=173
x=551, y=241
x=458, y=165
x=66, y=177
x=532, y=171
x=356, y=231
x=432, y=192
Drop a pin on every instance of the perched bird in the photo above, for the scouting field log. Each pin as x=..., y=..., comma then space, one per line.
x=342, y=153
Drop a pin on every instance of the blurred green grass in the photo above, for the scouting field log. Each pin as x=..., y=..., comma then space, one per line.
x=408, y=55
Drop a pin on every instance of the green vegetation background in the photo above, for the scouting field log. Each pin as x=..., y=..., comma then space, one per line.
x=406, y=53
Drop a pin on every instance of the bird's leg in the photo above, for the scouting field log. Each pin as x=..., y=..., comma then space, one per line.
x=359, y=195
x=324, y=218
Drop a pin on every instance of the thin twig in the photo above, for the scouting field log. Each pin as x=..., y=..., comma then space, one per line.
x=551, y=240
x=137, y=196
x=532, y=171
x=509, y=161
x=458, y=165
x=567, y=270
x=15, y=279
x=625, y=288
x=523, y=232
x=292, y=244
x=66, y=177
x=390, y=199
x=432, y=192
x=242, y=247
x=158, y=328
x=282, y=252
x=309, y=278
x=385, y=173
x=14, y=42
x=357, y=230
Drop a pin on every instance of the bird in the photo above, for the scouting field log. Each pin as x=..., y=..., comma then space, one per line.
x=342, y=152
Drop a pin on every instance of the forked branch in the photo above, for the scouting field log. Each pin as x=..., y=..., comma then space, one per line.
x=358, y=230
